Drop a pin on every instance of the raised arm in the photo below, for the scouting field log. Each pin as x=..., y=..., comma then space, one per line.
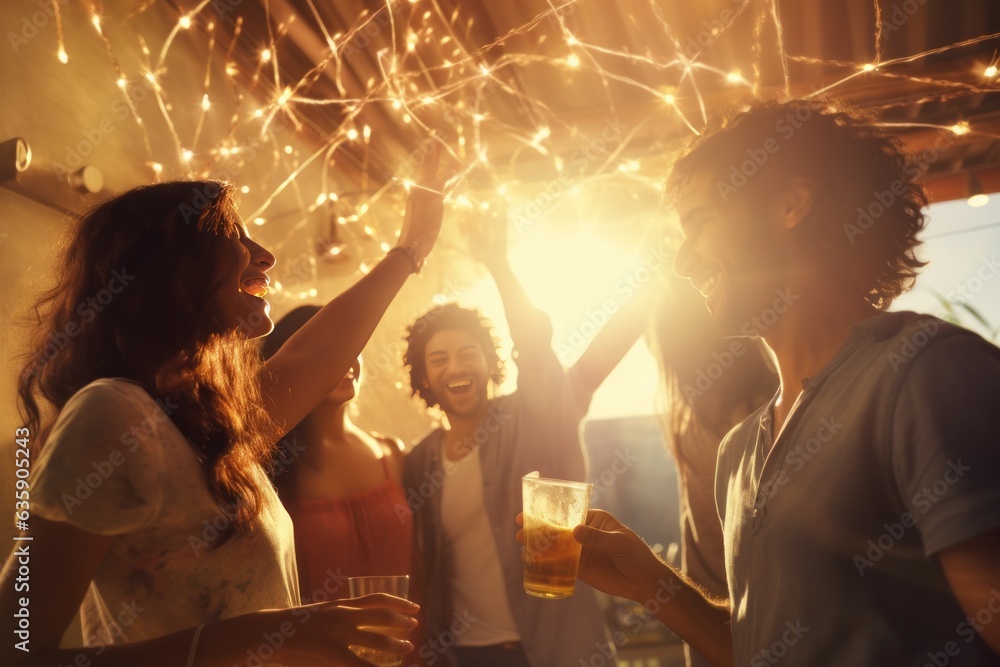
x=611, y=344
x=530, y=328
x=310, y=364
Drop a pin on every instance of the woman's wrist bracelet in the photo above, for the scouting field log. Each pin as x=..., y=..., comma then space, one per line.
x=411, y=254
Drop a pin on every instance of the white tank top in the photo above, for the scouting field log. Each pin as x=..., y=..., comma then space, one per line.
x=472, y=572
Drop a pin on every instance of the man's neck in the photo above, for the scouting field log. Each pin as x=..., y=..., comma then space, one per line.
x=806, y=339
x=460, y=432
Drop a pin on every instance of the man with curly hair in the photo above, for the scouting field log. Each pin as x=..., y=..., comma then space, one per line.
x=861, y=504
x=463, y=480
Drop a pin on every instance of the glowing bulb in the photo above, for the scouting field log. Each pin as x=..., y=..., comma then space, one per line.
x=122, y=82
x=352, y=134
x=156, y=167
x=478, y=117
x=407, y=184
x=734, y=77
x=288, y=150
x=231, y=70
x=224, y=151
x=502, y=190
x=396, y=104
x=151, y=78
x=669, y=98
x=96, y=20
x=369, y=231
x=258, y=113
x=205, y=104
x=406, y=118
x=367, y=132
x=332, y=196
x=573, y=60
x=63, y=58
x=978, y=201
x=633, y=165
x=245, y=189
x=558, y=163
x=484, y=70
x=427, y=99
x=868, y=67
x=541, y=135
x=259, y=221
x=313, y=292
x=385, y=247
x=185, y=22
x=286, y=94
x=187, y=154
x=265, y=55
x=234, y=150
x=572, y=41
x=990, y=71
x=960, y=128
x=321, y=198
x=335, y=250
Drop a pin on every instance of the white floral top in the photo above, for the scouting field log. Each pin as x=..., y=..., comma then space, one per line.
x=115, y=464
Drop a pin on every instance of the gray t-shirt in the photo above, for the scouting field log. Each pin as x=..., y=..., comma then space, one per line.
x=889, y=456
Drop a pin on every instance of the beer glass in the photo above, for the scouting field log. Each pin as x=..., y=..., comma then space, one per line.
x=552, y=508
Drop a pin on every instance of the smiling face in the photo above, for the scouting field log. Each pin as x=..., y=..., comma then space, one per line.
x=457, y=372
x=244, y=282
x=734, y=252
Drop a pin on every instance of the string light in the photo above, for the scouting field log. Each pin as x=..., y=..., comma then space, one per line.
x=412, y=83
x=960, y=128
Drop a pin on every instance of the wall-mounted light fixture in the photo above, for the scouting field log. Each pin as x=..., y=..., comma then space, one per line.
x=15, y=156
x=977, y=198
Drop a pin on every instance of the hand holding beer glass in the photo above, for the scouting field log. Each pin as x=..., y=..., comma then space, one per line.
x=394, y=585
x=552, y=508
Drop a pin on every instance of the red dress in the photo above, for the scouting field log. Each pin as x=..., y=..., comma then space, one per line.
x=364, y=534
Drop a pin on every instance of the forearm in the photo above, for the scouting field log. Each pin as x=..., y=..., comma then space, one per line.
x=318, y=355
x=611, y=343
x=529, y=326
x=705, y=624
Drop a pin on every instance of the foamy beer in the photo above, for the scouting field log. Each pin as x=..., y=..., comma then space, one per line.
x=552, y=508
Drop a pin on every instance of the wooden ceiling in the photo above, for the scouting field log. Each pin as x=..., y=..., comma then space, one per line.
x=628, y=60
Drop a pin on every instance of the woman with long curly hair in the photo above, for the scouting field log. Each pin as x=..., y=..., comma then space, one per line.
x=152, y=418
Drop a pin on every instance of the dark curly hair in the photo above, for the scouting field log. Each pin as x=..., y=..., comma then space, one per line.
x=442, y=318
x=868, y=209
x=162, y=330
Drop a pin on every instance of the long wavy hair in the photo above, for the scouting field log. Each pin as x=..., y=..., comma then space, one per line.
x=133, y=298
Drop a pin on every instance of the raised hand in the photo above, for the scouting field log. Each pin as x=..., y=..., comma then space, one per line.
x=424, y=206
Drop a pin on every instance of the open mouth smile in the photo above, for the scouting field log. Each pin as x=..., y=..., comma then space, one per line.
x=256, y=286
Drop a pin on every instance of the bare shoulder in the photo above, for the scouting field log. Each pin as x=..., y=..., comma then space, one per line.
x=394, y=449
